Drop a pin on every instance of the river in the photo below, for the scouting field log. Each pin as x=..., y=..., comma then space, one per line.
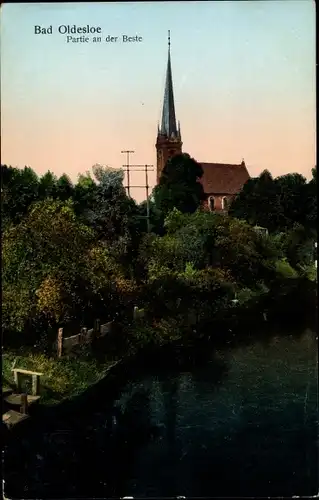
x=244, y=422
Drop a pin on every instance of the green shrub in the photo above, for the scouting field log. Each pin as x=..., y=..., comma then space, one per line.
x=285, y=270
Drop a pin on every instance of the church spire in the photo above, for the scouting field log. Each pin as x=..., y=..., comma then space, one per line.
x=168, y=127
x=168, y=142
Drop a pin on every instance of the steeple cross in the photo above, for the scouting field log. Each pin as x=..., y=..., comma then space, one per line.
x=169, y=39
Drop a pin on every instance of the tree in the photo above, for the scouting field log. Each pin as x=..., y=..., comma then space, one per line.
x=311, y=203
x=108, y=213
x=259, y=203
x=196, y=234
x=22, y=187
x=84, y=194
x=19, y=189
x=44, y=262
x=64, y=188
x=292, y=194
x=102, y=204
x=298, y=246
x=48, y=186
x=179, y=185
x=156, y=217
x=277, y=204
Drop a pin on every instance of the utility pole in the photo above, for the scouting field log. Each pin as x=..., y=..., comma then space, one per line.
x=145, y=169
x=147, y=200
x=128, y=152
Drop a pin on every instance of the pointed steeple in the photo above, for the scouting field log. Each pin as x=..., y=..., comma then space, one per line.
x=168, y=127
x=168, y=141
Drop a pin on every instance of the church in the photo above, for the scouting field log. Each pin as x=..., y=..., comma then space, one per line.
x=221, y=181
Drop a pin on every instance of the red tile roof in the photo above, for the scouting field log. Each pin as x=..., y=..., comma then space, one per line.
x=223, y=178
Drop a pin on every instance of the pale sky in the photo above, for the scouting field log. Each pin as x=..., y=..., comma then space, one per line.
x=244, y=84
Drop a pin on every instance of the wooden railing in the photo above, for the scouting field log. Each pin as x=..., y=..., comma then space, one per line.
x=35, y=379
x=84, y=337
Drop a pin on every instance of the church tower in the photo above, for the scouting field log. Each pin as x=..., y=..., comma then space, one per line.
x=169, y=141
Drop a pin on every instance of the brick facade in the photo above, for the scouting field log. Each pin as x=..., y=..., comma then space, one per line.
x=166, y=148
x=221, y=202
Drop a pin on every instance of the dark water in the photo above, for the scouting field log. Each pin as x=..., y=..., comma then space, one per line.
x=242, y=423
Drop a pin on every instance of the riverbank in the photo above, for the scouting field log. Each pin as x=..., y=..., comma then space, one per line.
x=62, y=378
x=235, y=392
x=67, y=378
x=67, y=381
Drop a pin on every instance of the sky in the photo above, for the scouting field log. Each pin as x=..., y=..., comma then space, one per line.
x=243, y=72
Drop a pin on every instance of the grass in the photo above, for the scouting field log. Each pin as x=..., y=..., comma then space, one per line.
x=62, y=378
x=311, y=272
x=67, y=377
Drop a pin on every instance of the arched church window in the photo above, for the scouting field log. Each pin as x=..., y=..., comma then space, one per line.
x=224, y=203
x=211, y=203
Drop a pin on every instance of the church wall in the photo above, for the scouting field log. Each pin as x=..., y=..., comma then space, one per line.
x=166, y=149
x=218, y=201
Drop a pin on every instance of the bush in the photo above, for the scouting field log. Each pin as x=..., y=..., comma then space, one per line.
x=285, y=270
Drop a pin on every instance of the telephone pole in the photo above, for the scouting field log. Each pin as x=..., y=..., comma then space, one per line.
x=145, y=169
x=127, y=152
x=147, y=200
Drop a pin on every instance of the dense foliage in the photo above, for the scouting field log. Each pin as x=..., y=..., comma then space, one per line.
x=179, y=185
x=278, y=204
x=74, y=252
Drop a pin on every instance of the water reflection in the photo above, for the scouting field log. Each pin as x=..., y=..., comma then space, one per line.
x=238, y=425
x=170, y=394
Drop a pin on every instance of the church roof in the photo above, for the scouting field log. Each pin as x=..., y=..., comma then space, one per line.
x=223, y=178
x=168, y=126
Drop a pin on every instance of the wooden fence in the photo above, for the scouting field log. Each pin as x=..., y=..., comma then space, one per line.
x=138, y=313
x=66, y=344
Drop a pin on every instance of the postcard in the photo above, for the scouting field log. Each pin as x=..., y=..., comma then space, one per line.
x=159, y=249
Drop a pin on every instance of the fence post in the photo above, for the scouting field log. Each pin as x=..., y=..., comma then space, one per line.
x=24, y=404
x=35, y=384
x=60, y=342
x=135, y=312
x=97, y=326
x=83, y=334
x=16, y=380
